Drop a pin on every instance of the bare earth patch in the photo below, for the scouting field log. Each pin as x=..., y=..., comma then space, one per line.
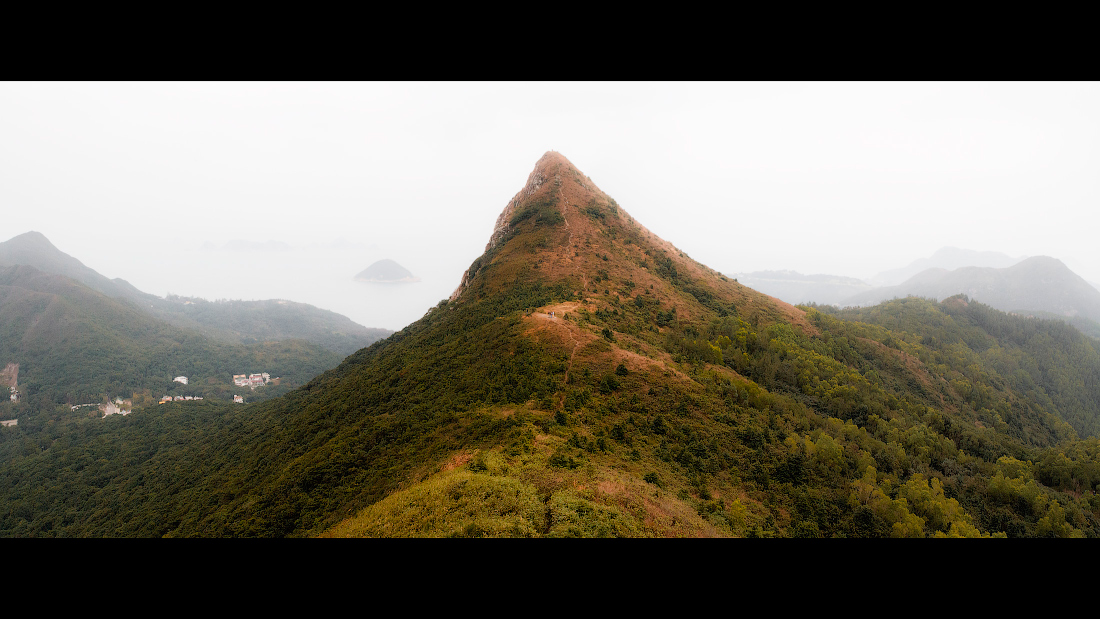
x=457, y=460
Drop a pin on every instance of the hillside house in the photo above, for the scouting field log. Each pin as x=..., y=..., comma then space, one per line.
x=181, y=379
x=238, y=399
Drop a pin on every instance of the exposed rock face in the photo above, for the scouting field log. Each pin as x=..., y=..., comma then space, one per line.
x=500, y=229
x=9, y=377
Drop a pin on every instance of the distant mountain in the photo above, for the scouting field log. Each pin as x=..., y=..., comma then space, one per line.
x=946, y=258
x=795, y=288
x=34, y=249
x=386, y=271
x=1037, y=284
x=248, y=322
x=233, y=321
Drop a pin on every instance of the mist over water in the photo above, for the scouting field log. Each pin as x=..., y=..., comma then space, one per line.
x=320, y=277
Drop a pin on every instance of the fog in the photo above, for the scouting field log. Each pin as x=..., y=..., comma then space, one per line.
x=307, y=274
x=149, y=182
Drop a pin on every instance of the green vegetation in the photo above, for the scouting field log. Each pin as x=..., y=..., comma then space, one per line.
x=250, y=322
x=75, y=346
x=235, y=322
x=664, y=401
x=456, y=504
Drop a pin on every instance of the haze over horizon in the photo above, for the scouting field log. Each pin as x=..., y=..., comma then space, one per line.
x=844, y=179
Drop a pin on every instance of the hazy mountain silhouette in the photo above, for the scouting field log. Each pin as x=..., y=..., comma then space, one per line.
x=386, y=271
x=945, y=258
x=1040, y=283
x=796, y=288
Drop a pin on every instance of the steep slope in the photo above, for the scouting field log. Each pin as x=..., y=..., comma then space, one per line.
x=588, y=379
x=1038, y=284
x=241, y=322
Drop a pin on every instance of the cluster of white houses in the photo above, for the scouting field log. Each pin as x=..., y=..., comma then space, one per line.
x=111, y=408
x=179, y=398
x=251, y=380
x=241, y=380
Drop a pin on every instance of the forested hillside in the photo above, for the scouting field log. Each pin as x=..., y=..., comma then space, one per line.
x=235, y=321
x=589, y=379
x=75, y=345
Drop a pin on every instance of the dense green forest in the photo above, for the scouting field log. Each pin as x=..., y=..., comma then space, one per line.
x=590, y=379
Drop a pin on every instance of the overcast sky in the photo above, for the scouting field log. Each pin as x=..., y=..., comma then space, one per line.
x=841, y=178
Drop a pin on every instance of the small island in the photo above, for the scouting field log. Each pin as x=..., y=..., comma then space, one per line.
x=386, y=272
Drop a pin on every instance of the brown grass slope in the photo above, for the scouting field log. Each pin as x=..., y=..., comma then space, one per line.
x=606, y=259
x=596, y=236
x=574, y=385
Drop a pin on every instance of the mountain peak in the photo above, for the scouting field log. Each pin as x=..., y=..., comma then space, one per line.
x=549, y=167
x=543, y=192
x=35, y=249
x=32, y=239
x=560, y=230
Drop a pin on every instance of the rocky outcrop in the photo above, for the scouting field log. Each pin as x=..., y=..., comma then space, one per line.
x=500, y=230
x=9, y=377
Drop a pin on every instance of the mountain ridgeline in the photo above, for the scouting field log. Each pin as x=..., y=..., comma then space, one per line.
x=947, y=258
x=241, y=322
x=1038, y=284
x=794, y=287
x=588, y=379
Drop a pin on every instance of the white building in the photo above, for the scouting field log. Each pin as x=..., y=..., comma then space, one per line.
x=238, y=399
x=180, y=379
